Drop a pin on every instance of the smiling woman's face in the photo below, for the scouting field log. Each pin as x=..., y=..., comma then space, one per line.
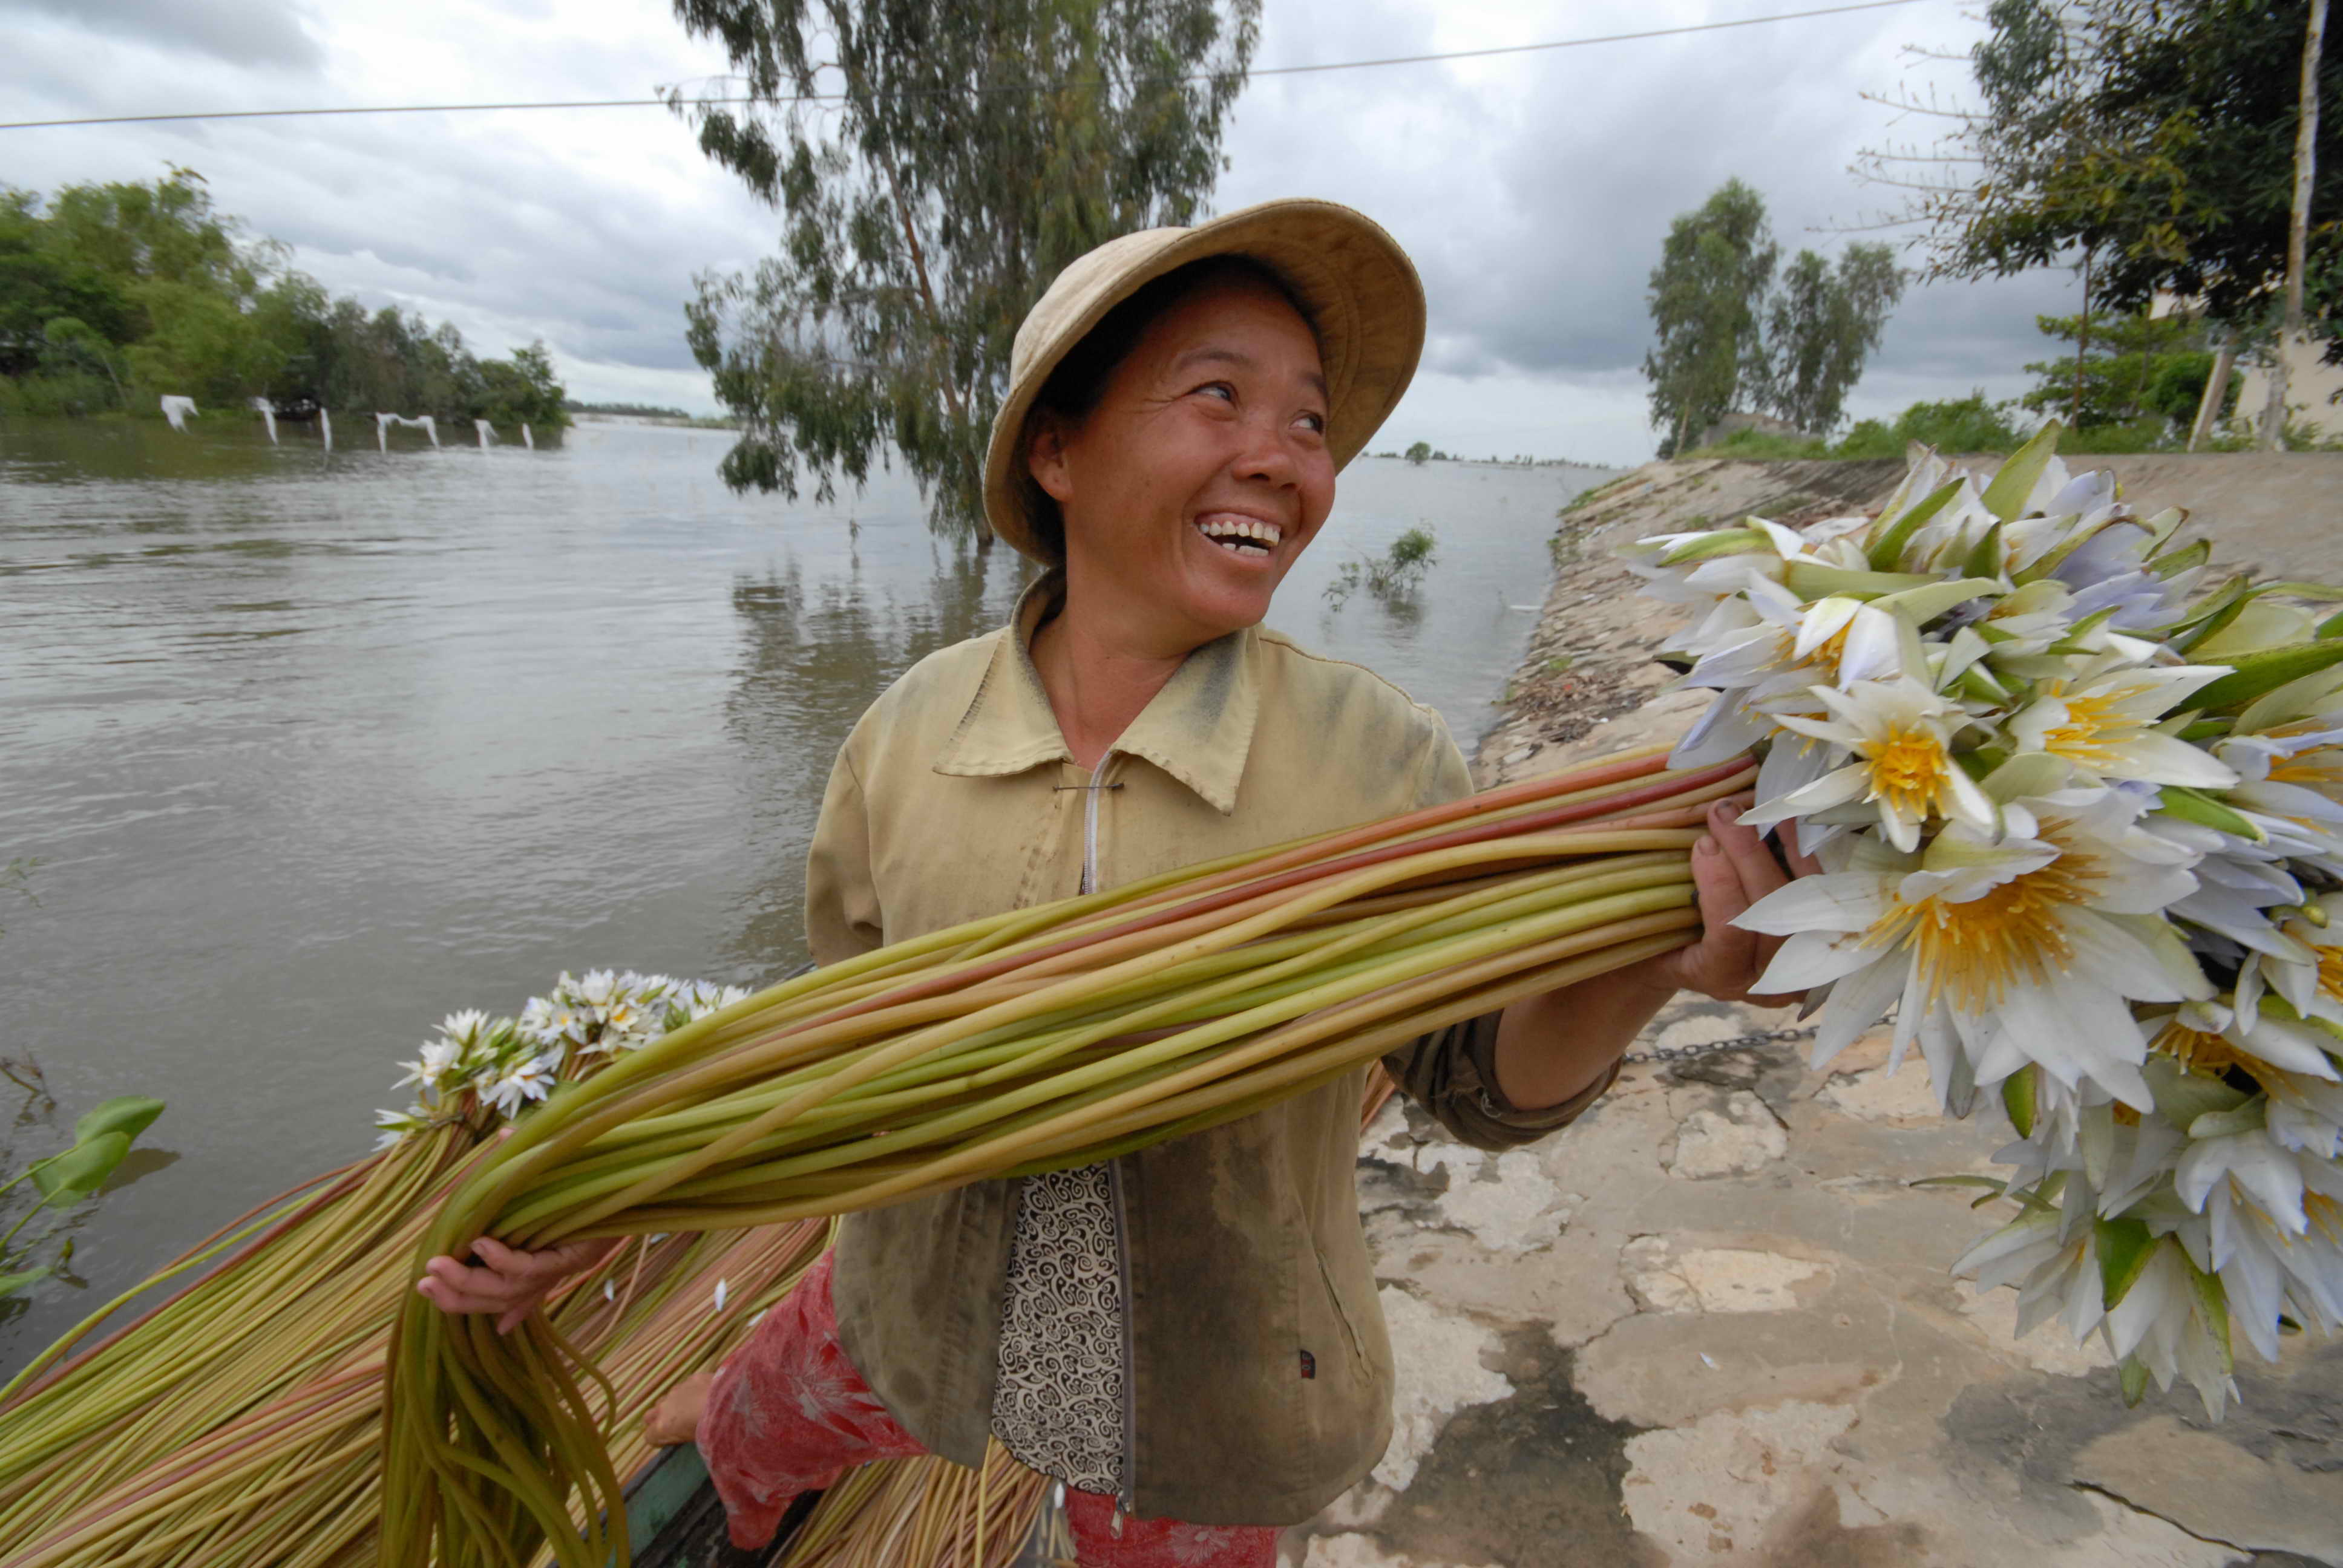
x=1202, y=473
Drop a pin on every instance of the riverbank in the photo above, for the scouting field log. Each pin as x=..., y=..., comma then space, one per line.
x=1710, y=1324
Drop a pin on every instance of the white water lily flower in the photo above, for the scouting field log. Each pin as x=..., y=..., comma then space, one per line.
x=2163, y=1322
x=1900, y=735
x=530, y=1079
x=2027, y=950
x=436, y=1062
x=2103, y=724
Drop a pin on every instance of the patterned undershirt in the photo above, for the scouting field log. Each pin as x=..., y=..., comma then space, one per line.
x=1057, y=1404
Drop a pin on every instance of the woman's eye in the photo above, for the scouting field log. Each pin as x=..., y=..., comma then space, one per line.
x=1220, y=389
x=1315, y=421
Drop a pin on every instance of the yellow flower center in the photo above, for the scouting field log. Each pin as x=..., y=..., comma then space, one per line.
x=1830, y=650
x=2093, y=730
x=2330, y=971
x=1967, y=953
x=1908, y=768
x=2205, y=1055
x=2319, y=770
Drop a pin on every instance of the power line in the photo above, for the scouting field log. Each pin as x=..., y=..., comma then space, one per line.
x=1009, y=87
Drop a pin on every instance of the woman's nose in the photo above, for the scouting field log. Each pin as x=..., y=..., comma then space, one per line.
x=1268, y=454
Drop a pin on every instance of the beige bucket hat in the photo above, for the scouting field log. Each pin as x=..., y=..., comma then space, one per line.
x=1358, y=286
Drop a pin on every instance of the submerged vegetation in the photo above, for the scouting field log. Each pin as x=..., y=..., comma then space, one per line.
x=1391, y=577
x=114, y=296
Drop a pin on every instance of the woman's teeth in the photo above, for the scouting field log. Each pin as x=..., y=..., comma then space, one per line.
x=1242, y=535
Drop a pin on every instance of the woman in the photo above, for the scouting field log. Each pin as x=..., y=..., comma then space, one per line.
x=1188, y=1336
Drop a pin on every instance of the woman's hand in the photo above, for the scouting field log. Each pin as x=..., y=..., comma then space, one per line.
x=1732, y=867
x=505, y=1280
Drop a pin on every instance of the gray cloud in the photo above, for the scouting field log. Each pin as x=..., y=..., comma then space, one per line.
x=269, y=33
x=1533, y=193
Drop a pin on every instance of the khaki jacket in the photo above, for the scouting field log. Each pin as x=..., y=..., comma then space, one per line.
x=1260, y=1375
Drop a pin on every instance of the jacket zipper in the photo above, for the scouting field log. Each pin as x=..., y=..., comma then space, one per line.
x=1128, y=1489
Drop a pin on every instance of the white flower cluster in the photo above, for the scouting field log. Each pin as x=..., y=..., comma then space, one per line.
x=2080, y=806
x=478, y=1066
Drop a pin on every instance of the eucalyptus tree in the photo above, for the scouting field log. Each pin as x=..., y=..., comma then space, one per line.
x=1729, y=337
x=1706, y=298
x=935, y=164
x=1821, y=325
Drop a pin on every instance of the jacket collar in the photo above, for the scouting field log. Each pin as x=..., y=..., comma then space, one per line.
x=1197, y=729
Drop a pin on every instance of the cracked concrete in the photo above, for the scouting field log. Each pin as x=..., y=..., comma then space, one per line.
x=1710, y=1324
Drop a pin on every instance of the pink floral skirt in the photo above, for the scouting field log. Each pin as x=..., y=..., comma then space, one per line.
x=789, y=1414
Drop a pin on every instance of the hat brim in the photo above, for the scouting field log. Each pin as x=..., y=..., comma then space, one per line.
x=1359, y=289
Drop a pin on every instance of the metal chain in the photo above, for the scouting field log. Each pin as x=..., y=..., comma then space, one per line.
x=1731, y=1042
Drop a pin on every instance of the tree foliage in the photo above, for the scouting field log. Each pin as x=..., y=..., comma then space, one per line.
x=113, y=294
x=1820, y=327
x=1707, y=301
x=962, y=156
x=2129, y=366
x=1728, y=336
x=2153, y=139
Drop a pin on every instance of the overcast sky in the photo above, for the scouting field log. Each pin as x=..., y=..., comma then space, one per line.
x=1533, y=190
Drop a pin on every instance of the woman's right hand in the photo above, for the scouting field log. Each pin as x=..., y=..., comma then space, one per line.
x=505, y=1280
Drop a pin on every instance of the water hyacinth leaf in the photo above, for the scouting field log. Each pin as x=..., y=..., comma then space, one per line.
x=74, y=1175
x=2331, y=626
x=1884, y=550
x=2005, y=497
x=21, y=1279
x=2195, y=806
x=2017, y=1098
x=2134, y=1377
x=128, y=1114
x=2250, y=678
x=2124, y=1248
x=1810, y=580
x=1714, y=543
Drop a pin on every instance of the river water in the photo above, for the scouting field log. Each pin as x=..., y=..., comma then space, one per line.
x=299, y=752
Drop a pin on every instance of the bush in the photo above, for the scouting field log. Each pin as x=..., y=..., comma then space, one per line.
x=1765, y=447
x=73, y=392
x=1392, y=577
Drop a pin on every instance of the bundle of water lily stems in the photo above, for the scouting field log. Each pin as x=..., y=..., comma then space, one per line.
x=1034, y=1039
x=240, y=1421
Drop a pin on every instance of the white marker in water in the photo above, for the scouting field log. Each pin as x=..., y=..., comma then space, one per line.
x=267, y=412
x=526, y=440
x=382, y=424
x=325, y=424
x=178, y=411
x=480, y=428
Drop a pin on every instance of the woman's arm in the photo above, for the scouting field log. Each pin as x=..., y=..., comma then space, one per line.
x=1552, y=1048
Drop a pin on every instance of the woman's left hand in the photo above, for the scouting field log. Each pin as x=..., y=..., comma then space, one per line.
x=1732, y=867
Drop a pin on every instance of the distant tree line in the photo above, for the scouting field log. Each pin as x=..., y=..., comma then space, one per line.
x=112, y=296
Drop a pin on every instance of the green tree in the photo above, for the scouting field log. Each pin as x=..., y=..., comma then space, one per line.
x=965, y=153
x=2133, y=368
x=2150, y=143
x=1706, y=298
x=1418, y=453
x=1820, y=327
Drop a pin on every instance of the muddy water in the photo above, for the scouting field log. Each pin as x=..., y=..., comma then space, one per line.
x=299, y=752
